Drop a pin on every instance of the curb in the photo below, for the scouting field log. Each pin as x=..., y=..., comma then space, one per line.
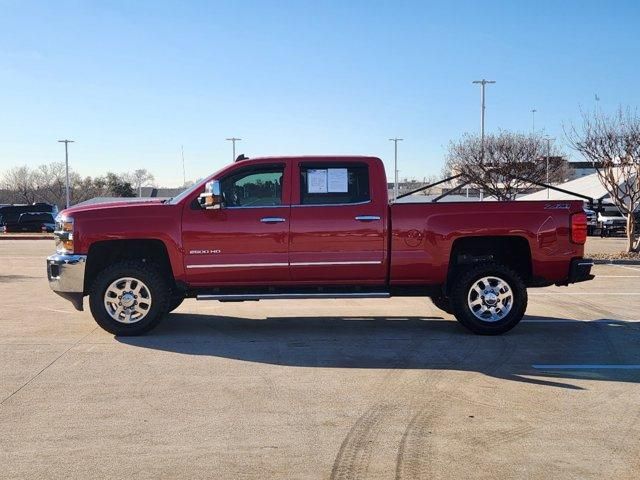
x=8, y=236
x=616, y=262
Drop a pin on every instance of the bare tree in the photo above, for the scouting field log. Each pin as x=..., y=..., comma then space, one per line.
x=139, y=178
x=507, y=163
x=612, y=144
x=22, y=182
x=50, y=181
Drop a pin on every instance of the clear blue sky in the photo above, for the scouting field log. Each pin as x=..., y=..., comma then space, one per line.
x=131, y=81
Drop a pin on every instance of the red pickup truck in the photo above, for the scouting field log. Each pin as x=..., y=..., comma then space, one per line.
x=312, y=227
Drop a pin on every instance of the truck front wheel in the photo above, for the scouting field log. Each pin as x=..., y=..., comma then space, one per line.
x=489, y=299
x=129, y=298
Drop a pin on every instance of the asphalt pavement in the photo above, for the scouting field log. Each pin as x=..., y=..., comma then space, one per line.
x=368, y=389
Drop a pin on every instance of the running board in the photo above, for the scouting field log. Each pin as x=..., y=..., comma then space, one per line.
x=241, y=297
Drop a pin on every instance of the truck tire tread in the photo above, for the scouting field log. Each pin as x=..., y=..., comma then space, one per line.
x=154, y=280
x=462, y=312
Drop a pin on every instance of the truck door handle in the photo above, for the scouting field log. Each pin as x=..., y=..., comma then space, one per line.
x=272, y=220
x=367, y=218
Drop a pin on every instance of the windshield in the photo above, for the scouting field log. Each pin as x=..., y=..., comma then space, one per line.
x=181, y=196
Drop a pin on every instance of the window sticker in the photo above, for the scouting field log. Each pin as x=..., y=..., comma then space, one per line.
x=338, y=180
x=317, y=181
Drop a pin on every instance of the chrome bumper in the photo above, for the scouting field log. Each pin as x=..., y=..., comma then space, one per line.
x=66, y=277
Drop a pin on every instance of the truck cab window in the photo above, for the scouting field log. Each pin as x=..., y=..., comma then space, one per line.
x=327, y=184
x=253, y=188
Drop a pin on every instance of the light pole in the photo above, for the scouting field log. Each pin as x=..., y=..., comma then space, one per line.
x=483, y=83
x=66, y=161
x=533, y=120
x=548, y=157
x=184, y=175
x=395, y=166
x=233, y=140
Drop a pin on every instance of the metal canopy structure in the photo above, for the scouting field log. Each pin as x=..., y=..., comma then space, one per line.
x=588, y=188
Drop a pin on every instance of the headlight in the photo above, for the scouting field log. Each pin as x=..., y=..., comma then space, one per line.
x=64, y=234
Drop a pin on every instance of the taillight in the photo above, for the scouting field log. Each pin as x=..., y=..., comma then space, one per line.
x=579, y=228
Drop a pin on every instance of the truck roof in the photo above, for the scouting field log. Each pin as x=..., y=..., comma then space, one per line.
x=315, y=158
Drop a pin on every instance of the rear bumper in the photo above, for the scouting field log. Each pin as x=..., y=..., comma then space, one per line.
x=580, y=270
x=66, y=277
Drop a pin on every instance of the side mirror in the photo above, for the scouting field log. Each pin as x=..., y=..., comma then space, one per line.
x=211, y=198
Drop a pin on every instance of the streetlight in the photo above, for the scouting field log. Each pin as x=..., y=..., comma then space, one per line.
x=395, y=166
x=66, y=161
x=533, y=120
x=233, y=140
x=548, y=157
x=482, y=83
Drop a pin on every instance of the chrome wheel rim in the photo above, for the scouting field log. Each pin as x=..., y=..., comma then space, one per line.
x=127, y=300
x=490, y=299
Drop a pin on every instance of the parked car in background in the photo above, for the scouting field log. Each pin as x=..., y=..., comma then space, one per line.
x=592, y=221
x=10, y=214
x=312, y=227
x=31, y=222
x=611, y=223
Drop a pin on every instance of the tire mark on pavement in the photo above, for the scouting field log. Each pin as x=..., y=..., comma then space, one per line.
x=413, y=458
x=353, y=458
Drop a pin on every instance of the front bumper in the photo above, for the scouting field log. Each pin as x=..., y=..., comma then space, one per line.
x=66, y=277
x=580, y=270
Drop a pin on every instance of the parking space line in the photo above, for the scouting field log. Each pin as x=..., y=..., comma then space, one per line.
x=617, y=276
x=584, y=293
x=586, y=367
x=628, y=267
x=573, y=320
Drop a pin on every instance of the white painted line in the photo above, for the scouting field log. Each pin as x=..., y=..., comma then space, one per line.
x=616, y=322
x=558, y=320
x=617, y=276
x=629, y=268
x=586, y=367
x=585, y=293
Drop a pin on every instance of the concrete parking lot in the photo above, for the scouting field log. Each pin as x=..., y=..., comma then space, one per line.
x=367, y=389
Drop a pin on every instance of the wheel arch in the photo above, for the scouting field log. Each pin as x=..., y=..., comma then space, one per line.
x=512, y=251
x=107, y=252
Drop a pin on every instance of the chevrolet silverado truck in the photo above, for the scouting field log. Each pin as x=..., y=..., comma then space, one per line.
x=309, y=228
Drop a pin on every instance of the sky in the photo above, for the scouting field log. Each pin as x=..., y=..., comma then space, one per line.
x=131, y=82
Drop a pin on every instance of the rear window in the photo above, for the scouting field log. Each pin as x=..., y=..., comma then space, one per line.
x=332, y=184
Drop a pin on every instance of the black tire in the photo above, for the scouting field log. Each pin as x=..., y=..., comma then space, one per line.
x=175, y=301
x=461, y=289
x=145, y=273
x=443, y=303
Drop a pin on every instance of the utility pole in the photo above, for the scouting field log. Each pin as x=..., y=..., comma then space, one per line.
x=548, y=157
x=184, y=176
x=395, y=166
x=233, y=140
x=66, y=162
x=533, y=120
x=483, y=83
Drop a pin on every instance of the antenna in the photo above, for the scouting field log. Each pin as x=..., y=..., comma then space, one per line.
x=184, y=176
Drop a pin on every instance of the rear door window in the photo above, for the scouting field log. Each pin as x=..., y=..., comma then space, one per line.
x=334, y=184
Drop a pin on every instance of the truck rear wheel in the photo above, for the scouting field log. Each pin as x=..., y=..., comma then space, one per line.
x=129, y=298
x=489, y=299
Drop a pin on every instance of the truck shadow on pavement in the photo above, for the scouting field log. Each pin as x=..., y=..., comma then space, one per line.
x=541, y=350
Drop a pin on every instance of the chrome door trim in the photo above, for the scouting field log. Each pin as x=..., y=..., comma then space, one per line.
x=367, y=218
x=239, y=265
x=309, y=264
x=283, y=264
